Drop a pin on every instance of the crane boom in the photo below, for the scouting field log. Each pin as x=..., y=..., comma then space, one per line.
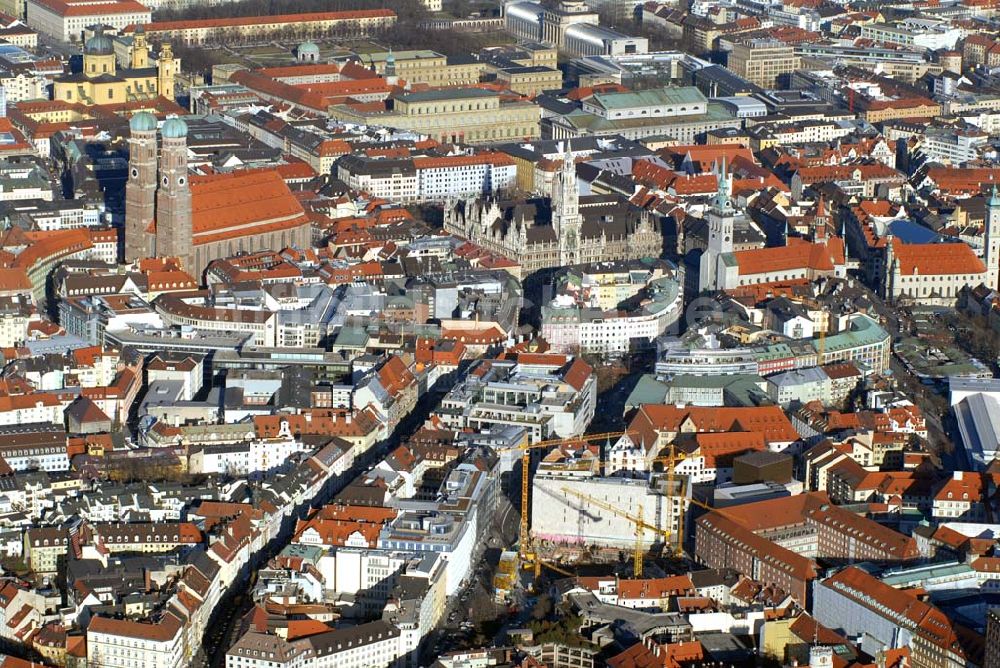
x=527, y=553
x=526, y=550
x=639, y=521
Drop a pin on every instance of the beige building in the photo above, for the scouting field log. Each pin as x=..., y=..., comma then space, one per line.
x=530, y=80
x=469, y=115
x=762, y=62
x=535, y=53
x=881, y=110
x=18, y=33
x=102, y=81
x=426, y=67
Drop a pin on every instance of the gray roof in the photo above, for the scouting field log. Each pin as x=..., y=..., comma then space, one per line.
x=813, y=374
x=670, y=95
x=446, y=94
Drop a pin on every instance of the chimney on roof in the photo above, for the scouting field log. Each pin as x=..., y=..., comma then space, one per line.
x=957, y=475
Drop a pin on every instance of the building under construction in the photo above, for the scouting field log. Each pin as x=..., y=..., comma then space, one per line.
x=574, y=507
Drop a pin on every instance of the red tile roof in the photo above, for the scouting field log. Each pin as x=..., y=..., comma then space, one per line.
x=936, y=259
x=718, y=449
x=309, y=69
x=91, y=8
x=707, y=155
x=768, y=420
x=241, y=203
x=495, y=159
x=797, y=254
x=166, y=628
x=395, y=376
x=577, y=374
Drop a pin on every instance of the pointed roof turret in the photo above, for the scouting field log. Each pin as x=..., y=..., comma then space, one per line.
x=723, y=190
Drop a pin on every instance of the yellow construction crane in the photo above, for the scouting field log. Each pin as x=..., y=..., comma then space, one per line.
x=638, y=520
x=672, y=460
x=526, y=549
x=637, y=556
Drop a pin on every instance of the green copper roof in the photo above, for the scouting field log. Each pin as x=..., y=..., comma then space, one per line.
x=671, y=95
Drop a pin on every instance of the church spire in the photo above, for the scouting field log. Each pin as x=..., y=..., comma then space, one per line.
x=390, y=69
x=723, y=190
x=566, y=217
x=991, y=240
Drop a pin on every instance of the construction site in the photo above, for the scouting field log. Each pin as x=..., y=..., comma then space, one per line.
x=580, y=511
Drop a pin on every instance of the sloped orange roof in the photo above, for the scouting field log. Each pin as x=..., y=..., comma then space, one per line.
x=492, y=334
x=89, y=8
x=636, y=656
x=936, y=259
x=304, y=70
x=651, y=174
x=336, y=527
x=165, y=629
x=394, y=375
x=495, y=159
x=241, y=202
x=543, y=359
x=929, y=621
x=655, y=588
x=719, y=448
x=327, y=423
x=707, y=155
x=296, y=169
x=769, y=420
x=49, y=244
x=302, y=628
x=699, y=184
x=798, y=254
x=820, y=173
x=14, y=280
x=577, y=374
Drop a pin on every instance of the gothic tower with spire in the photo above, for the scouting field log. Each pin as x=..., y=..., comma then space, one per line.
x=991, y=240
x=721, y=222
x=140, y=190
x=891, y=268
x=173, y=197
x=566, y=219
x=390, y=69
